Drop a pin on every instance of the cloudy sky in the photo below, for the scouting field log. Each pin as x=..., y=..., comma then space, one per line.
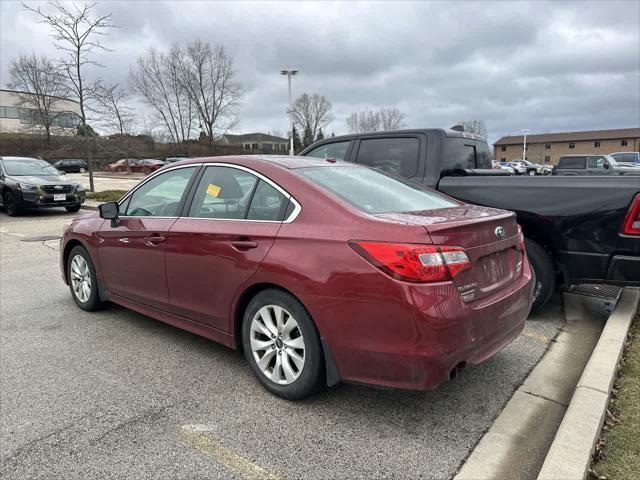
x=557, y=66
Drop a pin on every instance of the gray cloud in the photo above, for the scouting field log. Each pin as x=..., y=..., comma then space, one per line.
x=544, y=66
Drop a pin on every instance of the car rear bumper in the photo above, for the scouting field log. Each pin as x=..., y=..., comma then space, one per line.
x=416, y=342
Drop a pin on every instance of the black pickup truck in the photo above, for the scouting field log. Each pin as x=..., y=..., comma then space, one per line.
x=577, y=229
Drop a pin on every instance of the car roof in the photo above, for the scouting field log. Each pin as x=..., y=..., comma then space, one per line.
x=20, y=158
x=284, y=161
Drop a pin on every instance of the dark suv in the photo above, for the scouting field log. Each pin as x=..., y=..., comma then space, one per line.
x=71, y=166
x=592, y=165
x=33, y=183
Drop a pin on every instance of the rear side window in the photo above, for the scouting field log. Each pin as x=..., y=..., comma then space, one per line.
x=336, y=150
x=464, y=153
x=396, y=155
x=267, y=204
x=223, y=192
x=373, y=192
x=572, y=162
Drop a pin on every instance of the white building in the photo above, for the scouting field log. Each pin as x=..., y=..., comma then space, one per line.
x=16, y=116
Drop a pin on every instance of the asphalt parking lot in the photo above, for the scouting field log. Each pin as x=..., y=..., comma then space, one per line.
x=115, y=394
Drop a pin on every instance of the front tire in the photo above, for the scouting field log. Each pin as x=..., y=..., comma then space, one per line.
x=82, y=170
x=532, y=173
x=73, y=209
x=10, y=205
x=83, y=281
x=545, y=275
x=282, y=346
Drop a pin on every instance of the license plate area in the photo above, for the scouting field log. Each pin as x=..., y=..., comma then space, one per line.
x=59, y=197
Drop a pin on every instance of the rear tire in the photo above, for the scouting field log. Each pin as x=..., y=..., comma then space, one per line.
x=532, y=172
x=545, y=275
x=83, y=281
x=299, y=379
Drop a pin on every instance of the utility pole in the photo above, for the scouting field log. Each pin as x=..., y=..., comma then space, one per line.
x=524, y=143
x=289, y=73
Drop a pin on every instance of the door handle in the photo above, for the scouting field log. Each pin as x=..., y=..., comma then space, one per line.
x=155, y=239
x=244, y=244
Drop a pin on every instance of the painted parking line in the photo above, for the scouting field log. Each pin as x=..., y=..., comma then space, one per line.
x=194, y=434
x=536, y=336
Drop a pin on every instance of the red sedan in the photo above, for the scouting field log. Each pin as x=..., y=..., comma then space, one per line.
x=319, y=270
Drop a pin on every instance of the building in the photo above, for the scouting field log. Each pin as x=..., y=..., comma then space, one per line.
x=257, y=141
x=549, y=147
x=16, y=115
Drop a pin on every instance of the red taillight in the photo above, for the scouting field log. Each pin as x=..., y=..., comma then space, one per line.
x=631, y=224
x=414, y=263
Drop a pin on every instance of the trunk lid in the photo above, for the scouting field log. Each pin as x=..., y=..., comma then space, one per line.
x=488, y=235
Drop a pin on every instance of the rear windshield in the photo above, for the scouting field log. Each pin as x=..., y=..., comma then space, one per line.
x=572, y=162
x=372, y=191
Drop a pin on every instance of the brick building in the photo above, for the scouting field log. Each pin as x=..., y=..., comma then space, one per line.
x=549, y=147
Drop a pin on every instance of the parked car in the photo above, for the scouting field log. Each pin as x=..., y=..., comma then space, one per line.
x=147, y=165
x=626, y=157
x=528, y=168
x=502, y=166
x=518, y=168
x=122, y=165
x=319, y=270
x=574, y=228
x=71, y=166
x=27, y=183
x=592, y=165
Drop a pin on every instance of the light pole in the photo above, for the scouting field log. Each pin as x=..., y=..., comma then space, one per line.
x=524, y=143
x=289, y=73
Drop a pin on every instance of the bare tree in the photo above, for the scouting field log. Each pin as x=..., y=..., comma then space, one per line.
x=156, y=78
x=391, y=119
x=375, y=120
x=112, y=107
x=76, y=31
x=474, y=126
x=363, y=122
x=43, y=83
x=312, y=112
x=206, y=73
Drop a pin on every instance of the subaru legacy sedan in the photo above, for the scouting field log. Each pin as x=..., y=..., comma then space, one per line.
x=319, y=270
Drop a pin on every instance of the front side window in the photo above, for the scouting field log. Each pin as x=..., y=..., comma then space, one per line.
x=398, y=156
x=596, y=162
x=162, y=195
x=336, y=150
x=223, y=192
x=374, y=192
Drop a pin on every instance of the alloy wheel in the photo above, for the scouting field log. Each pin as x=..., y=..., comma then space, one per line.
x=277, y=344
x=80, y=278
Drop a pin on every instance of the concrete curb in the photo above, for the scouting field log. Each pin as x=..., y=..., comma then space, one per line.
x=570, y=454
x=517, y=442
x=93, y=208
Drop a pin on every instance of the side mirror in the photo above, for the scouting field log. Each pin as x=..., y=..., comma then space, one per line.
x=606, y=165
x=109, y=211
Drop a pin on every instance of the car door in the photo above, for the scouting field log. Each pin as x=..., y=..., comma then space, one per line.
x=132, y=253
x=596, y=166
x=218, y=244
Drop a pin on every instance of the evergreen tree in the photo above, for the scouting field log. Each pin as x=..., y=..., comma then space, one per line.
x=320, y=135
x=308, y=137
x=297, y=144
